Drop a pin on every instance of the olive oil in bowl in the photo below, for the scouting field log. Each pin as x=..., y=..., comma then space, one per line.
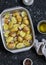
x=42, y=27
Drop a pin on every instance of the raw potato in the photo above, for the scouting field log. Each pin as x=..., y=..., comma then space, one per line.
x=20, y=45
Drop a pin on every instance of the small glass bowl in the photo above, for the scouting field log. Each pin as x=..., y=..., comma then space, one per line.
x=42, y=21
x=29, y=60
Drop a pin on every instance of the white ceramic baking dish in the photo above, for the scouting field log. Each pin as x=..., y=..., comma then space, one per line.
x=1, y=22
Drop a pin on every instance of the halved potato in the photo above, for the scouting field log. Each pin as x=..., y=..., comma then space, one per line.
x=28, y=37
x=22, y=33
x=20, y=45
x=11, y=45
x=26, y=43
x=23, y=14
x=9, y=39
x=20, y=39
x=5, y=27
x=26, y=21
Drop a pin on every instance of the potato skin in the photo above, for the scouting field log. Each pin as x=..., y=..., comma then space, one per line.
x=26, y=43
x=26, y=22
x=20, y=39
x=11, y=46
x=22, y=34
x=20, y=45
x=5, y=27
x=28, y=37
x=26, y=29
x=19, y=18
x=6, y=20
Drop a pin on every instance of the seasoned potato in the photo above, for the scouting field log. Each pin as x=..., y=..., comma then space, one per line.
x=5, y=27
x=7, y=15
x=11, y=46
x=13, y=34
x=19, y=18
x=28, y=37
x=20, y=39
x=26, y=43
x=15, y=39
x=22, y=25
x=19, y=22
x=26, y=29
x=6, y=34
x=10, y=25
x=16, y=25
x=26, y=22
x=28, y=32
x=22, y=34
x=9, y=39
x=16, y=14
x=23, y=14
x=15, y=28
x=6, y=20
x=16, y=42
x=13, y=19
x=20, y=45
x=25, y=18
x=18, y=33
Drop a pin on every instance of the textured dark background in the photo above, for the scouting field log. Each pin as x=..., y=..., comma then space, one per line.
x=37, y=12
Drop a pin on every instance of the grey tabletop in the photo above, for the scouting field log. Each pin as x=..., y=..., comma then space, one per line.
x=38, y=12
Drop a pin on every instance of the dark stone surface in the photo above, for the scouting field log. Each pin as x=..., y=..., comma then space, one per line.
x=37, y=12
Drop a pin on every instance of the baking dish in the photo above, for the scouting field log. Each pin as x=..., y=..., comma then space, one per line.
x=1, y=23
